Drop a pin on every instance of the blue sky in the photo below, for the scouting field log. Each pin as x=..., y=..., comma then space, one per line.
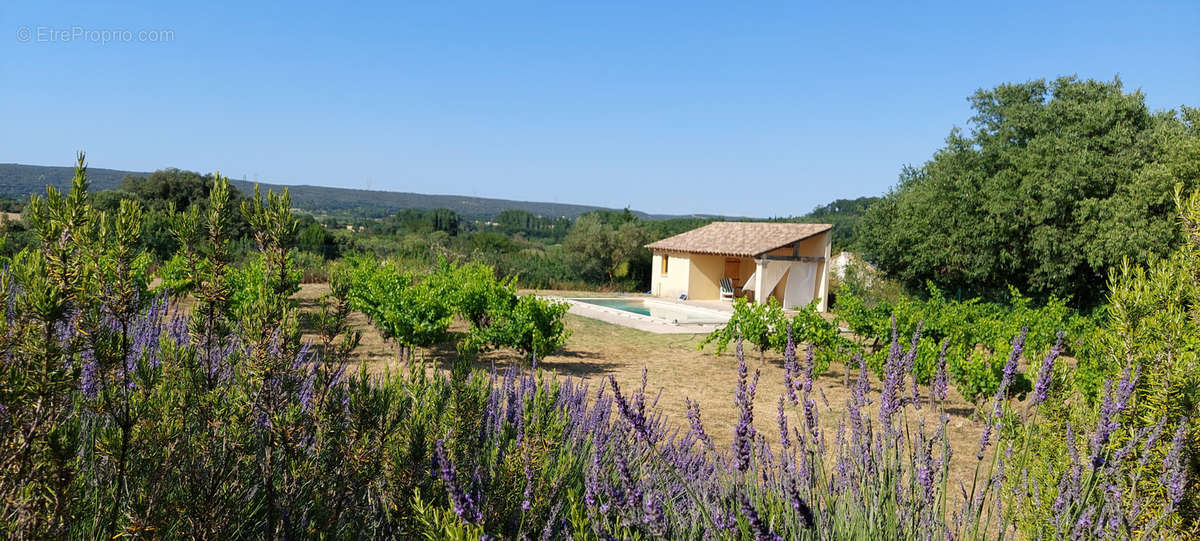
x=757, y=109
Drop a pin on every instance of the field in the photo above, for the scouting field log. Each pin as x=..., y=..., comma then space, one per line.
x=676, y=370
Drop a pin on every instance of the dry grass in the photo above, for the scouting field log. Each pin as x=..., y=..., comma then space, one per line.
x=677, y=370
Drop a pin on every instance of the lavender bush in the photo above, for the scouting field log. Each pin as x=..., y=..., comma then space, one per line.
x=121, y=415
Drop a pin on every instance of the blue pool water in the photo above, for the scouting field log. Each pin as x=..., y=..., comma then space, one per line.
x=673, y=313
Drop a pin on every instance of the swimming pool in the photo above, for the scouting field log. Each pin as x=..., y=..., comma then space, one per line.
x=669, y=312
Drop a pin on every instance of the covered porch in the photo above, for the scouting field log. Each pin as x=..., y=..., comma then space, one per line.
x=791, y=280
x=759, y=260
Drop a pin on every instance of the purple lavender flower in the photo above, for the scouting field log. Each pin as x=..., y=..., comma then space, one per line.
x=630, y=493
x=1083, y=527
x=305, y=393
x=464, y=504
x=693, y=415
x=528, y=493
x=925, y=467
x=785, y=440
x=862, y=387
x=553, y=523
x=88, y=384
x=1008, y=375
x=916, y=393
x=984, y=439
x=1113, y=405
x=1152, y=439
x=636, y=418
x=261, y=420
x=1114, y=507
x=940, y=382
x=910, y=356
x=1046, y=372
x=1174, y=473
x=762, y=532
x=1010, y=367
x=1069, y=485
x=889, y=401
x=810, y=418
x=806, y=380
x=177, y=330
x=652, y=512
x=789, y=367
x=799, y=505
x=744, y=431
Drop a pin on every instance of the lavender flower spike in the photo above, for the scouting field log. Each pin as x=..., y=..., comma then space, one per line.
x=1046, y=372
x=762, y=532
x=744, y=431
x=940, y=381
x=1114, y=404
x=1174, y=470
x=464, y=504
x=693, y=415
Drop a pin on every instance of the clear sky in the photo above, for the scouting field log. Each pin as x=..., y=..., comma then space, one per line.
x=748, y=108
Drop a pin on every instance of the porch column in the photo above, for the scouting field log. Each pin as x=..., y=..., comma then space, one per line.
x=823, y=279
x=760, y=270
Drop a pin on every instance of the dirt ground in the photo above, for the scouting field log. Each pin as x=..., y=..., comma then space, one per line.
x=596, y=350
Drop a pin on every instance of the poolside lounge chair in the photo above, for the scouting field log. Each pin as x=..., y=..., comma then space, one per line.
x=727, y=289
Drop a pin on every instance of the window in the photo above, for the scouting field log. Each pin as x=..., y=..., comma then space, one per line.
x=665, y=259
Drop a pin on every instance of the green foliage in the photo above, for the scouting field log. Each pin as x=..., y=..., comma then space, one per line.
x=762, y=325
x=420, y=221
x=605, y=246
x=1153, y=322
x=411, y=313
x=119, y=420
x=168, y=189
x=808, y=326
x=533, y=326
x=474, y=291
x=418, y=309
x=528, y=225
x=488, y=242
x=765, y=326
x=440, y=524
x=251, y=282
x=980, y=334
x=1053, y=186
x=11, y=205
x=315, y=239
x=845, y=215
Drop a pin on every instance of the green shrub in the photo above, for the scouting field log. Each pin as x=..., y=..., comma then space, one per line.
x=533, y=326
x=414, y=314
x=312, y=267
x=1153, y=322
x=473, y=291
x=828, y=344
x=765, y=326
x=761, y=324
x=980, y=333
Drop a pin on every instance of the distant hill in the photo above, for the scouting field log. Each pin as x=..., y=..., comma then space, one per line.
x=19, y=181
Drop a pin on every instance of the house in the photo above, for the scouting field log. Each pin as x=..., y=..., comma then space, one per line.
x=838, y=265
x=786, y=260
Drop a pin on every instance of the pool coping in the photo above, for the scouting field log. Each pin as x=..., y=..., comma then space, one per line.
x=580, y=307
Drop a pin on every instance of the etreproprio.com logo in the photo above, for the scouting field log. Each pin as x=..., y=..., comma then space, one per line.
x=51, y=34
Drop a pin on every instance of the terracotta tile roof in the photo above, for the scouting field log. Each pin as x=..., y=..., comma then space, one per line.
x=739, y=238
